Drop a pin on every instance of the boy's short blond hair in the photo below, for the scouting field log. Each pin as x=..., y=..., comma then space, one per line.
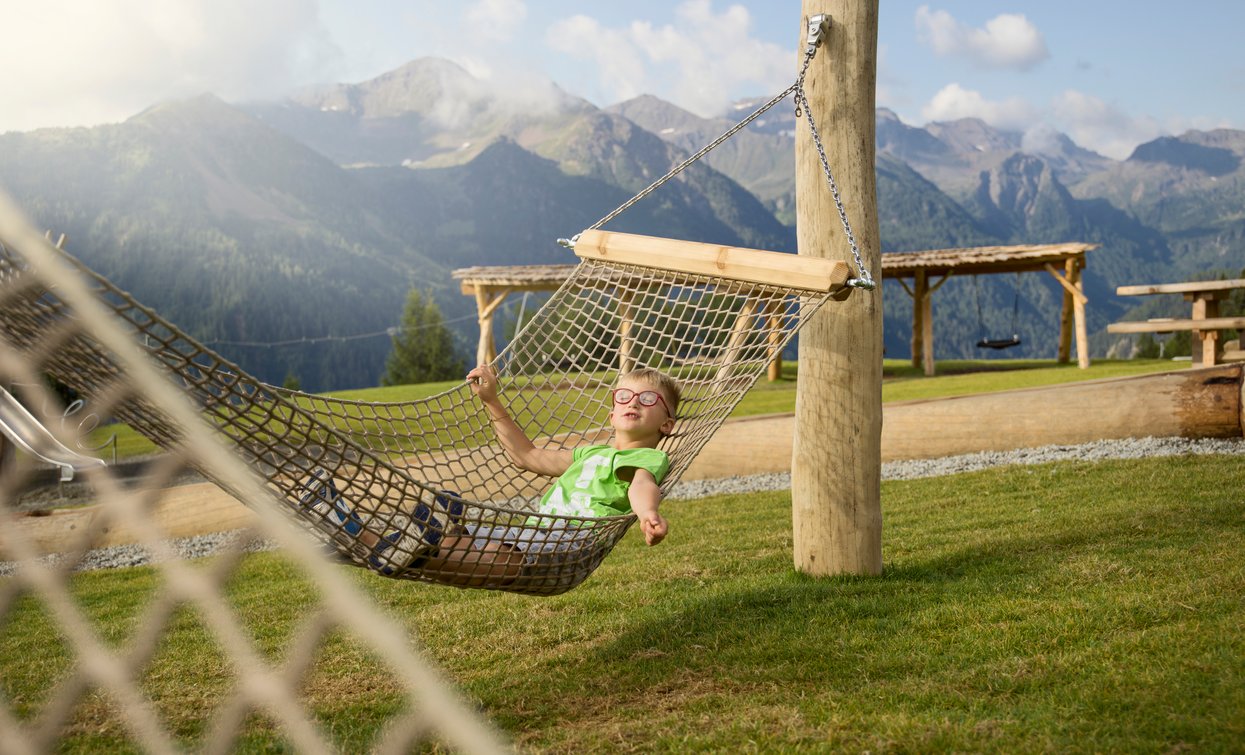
x=668, y=386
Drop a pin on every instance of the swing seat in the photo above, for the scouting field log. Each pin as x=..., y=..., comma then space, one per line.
x=998, y=344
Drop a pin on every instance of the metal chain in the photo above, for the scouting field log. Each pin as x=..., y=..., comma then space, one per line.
x=865, y=280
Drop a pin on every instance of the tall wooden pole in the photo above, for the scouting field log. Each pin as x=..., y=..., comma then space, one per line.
x=836, y=463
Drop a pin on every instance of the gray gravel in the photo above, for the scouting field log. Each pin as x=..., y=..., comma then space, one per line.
x=1133, y=448
x=203, y=545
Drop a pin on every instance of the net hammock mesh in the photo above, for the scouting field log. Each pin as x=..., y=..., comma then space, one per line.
x=415, y=473
x=73, y=679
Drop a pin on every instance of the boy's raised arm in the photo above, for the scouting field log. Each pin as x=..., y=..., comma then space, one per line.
x=645, y=497
x=517, y=445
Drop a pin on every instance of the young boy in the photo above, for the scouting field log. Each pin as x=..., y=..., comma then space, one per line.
x=593, y=481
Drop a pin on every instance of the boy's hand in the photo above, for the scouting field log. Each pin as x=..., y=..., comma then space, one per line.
x=654, y=527
x=483, y=383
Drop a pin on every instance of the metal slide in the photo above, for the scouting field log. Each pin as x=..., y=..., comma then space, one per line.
x=32, y=437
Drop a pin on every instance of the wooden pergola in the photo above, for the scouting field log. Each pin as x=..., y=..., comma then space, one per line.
x=491, y=284
x=926, y=270
x=930, y=269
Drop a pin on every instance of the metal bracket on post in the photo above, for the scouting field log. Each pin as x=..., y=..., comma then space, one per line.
x=818, y=29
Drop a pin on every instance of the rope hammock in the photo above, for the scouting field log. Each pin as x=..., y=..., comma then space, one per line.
x=712, y=317
x=716, y=333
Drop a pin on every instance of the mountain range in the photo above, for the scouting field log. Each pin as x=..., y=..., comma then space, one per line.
x=305, y=222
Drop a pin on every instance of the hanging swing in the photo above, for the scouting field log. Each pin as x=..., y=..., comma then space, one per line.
x=713, y=317
x=998, y=344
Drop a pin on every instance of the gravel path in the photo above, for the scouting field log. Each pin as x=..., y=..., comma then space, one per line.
x=203, y=545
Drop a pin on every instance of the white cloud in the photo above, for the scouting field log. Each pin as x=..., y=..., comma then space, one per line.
x=1008, y=41
x=953, y=102
x=701, y=61
x=1089, y=121
x=1104, y=128
x=622, y=71
x=495, y=20
x=82, y=63
x=1041, y=138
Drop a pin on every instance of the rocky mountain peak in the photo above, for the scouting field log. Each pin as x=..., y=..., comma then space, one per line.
x=1186, y=153
x=657, y=115
x=970, y=135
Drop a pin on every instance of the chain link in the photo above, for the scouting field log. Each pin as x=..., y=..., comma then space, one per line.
x=865, y=280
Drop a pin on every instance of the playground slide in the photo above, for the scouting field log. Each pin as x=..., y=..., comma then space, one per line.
x=32, y=437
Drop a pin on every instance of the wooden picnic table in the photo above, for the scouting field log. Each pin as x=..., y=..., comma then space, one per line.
x=1204, y=322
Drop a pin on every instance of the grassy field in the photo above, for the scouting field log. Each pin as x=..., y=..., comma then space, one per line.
x=1069, y=607
x=901, y=382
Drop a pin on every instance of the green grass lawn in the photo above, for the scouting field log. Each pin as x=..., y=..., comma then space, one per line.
x=901, y=382
x=1069, y=607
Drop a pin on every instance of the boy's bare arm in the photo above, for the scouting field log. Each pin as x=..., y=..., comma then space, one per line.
x=645, y=497
x=517, y=445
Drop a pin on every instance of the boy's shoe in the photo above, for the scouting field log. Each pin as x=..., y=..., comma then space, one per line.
x=321, y=496
x=417, y=535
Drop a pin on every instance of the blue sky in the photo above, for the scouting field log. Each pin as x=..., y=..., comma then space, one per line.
x=1110, y=73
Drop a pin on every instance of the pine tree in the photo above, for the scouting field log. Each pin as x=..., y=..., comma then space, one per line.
x=423, y=350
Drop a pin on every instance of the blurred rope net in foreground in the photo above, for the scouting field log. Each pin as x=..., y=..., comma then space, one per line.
x=259, y=686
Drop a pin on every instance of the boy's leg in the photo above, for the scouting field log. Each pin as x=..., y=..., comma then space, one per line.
x=460, y=562
x=321, y=496
x=408, y=540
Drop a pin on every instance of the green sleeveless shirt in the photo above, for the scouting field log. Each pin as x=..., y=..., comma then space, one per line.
x=590, y=486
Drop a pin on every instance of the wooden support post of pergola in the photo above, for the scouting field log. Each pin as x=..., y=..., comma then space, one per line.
x=1074, y=301
x=487, y=302
x=920, y=300
x=927, y=325
x=739, y=335
x=922, y=295
x=773, y=325
x=1205, y=344
x=836, y=461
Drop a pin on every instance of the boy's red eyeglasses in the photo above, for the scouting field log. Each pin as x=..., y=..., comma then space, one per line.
x=624, y=396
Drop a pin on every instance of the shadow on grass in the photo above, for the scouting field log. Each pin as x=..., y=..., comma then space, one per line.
x=949, y=605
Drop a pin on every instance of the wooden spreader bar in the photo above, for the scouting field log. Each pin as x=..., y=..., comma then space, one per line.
x=748, y=265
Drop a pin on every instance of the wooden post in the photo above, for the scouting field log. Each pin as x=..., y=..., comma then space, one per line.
x=487, y=302
x=1065, y=316
x=1078, y=314
x=1205, y=342
x=836, y=462
x=739, y=335
x=927, y=326
x=920, y=290
x=773, y=325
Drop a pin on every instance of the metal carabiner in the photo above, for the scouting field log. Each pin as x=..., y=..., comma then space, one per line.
x=818, y=29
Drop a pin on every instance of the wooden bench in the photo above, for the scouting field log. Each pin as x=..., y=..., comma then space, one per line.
x=1205, y=323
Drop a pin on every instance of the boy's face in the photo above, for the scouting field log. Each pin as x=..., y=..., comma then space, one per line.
x=635, y=419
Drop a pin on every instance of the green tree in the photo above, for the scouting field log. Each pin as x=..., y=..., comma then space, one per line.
x=1148, y=348
x=423, y=349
